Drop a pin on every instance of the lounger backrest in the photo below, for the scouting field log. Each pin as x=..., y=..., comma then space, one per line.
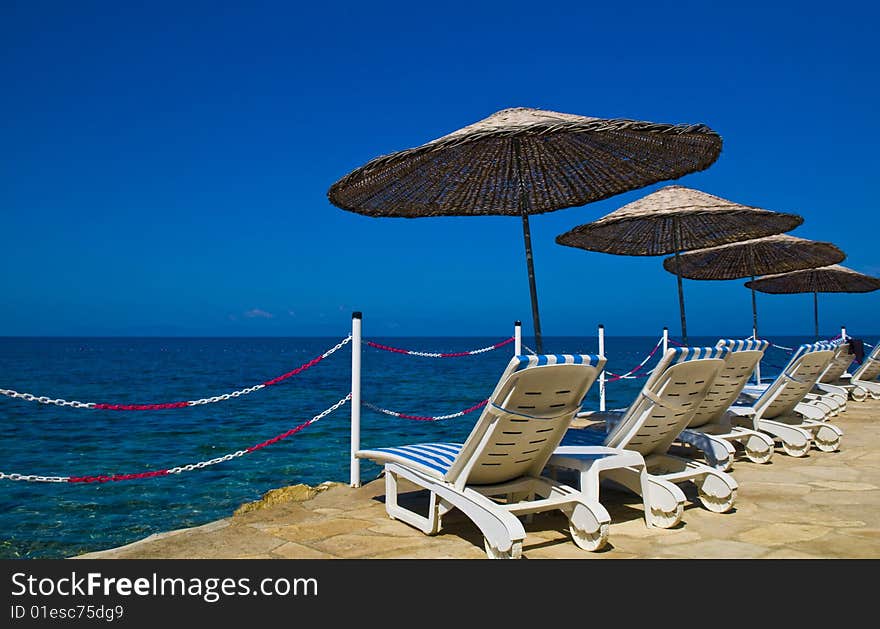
x=870, y=368
x=526, y=418
x=843, y=358
x=795, y=381
x=668, y=400
x=738, y=367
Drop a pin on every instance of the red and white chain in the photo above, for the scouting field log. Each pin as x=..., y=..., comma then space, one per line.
x=36, y=478
x=410, y=352
x=168, y=405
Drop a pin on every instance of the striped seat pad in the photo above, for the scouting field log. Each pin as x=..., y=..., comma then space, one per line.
x=436, y=457
x=686, y=354
x=584, y=437
x=525, y=361
x=743, y=345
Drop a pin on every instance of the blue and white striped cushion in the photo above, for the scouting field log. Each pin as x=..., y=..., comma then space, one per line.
x=806, y=348
x=531, y=360
x=437, y=456
x=743, y=345
x=685, y=354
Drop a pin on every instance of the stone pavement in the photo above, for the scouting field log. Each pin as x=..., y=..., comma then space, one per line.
x=826, y=505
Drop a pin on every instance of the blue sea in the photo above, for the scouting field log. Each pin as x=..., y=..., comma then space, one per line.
x=50, y=520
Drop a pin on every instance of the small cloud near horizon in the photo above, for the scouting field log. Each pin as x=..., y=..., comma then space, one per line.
x=256, y=313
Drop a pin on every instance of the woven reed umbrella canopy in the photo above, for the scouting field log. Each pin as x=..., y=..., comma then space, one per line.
x=523, y=161
x=826, y=279
x=675, y=219
x=772, y=254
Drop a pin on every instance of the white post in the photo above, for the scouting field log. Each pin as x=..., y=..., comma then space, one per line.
x=843, y=333
x=665, y=339
x=758, y=364
x=517, y=338
x=602, y=375
x=355, y=397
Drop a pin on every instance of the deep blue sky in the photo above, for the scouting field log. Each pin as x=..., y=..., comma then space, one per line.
x=164, y=168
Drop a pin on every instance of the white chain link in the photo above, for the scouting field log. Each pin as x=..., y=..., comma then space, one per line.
x=529, y=349
x=385, y=411
x=225, y=396
x=46, y=400
x=209, y=400
x=34, y=478
x=630, y=374
x=410, y=352
x=180, y=468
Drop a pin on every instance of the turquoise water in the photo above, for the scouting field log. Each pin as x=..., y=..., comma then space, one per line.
x=64, y=519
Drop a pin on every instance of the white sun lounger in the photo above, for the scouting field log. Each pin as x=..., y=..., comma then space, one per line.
x=495, y=475
x=829, y=390
x=648, y=427
x=863, y=382
x=814, y=404
x=779, y=411
x=711, y=430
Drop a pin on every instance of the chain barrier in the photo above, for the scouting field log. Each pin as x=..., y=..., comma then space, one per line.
x=36, y=478
x=632, y=372
x=426, y=418
x=167, y=405
x=410, y=352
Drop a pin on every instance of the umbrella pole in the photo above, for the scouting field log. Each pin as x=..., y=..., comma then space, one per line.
x=755, y=329
x=527, y=238
x=754, y=301
x=677, y=237
x=816, y=312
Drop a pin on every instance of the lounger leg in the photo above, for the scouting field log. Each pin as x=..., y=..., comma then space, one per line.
x=429, y=525
x=758, y=446
x=870, y=388
x=503, y=532
x=718, y=452
x=858, y=393
x=588, y=521
x=717, y=491
x=795, y=441
x=817, y=410
x=826, y=436
x=664, y=500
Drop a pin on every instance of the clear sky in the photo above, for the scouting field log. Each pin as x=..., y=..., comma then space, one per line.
x=164, y=166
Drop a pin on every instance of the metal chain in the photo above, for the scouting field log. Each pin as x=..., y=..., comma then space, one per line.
x=46, y=400
x=410, y=352
x=209, y=400
x=35, y=478
x=425, y=417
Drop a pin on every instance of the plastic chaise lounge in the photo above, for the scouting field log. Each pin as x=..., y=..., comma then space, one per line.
x=711, y=429
x=827, y=398
x=779, y=411
x=660, y=412
x=863, y=382
x=496, y=474
x=829, y=390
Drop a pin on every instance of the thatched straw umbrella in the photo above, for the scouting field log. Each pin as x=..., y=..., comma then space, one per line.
x=772, y=254
x=523, y=161
x=675, y=219
x=826, y=279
